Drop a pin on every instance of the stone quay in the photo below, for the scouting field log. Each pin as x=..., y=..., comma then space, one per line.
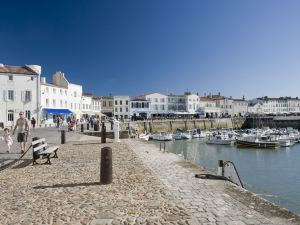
x=148, y=187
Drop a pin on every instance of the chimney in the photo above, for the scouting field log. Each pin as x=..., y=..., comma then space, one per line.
x=219, y=93
x=43, y=80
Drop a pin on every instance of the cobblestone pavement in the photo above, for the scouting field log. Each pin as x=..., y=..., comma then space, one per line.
x=52, y=135
x=209, y=201
x=68, y=191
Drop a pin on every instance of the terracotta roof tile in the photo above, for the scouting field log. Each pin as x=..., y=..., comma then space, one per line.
x=17, y=70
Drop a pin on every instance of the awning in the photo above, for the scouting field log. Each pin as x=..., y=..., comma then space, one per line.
x=58, y=111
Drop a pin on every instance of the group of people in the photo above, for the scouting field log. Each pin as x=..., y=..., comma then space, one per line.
x=23, y=130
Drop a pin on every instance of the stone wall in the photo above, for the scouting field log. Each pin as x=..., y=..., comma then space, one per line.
x=172, y=125
x=272, y=122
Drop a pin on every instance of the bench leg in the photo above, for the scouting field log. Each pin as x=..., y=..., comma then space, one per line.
x=55, y=154
x=48, y=160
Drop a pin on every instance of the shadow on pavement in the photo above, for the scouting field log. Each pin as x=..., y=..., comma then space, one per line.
x=67, y=185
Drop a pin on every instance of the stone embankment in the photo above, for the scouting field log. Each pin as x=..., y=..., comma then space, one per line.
x=149, y=187
x=172, y=125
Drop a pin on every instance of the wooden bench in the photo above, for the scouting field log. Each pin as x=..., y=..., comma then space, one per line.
x=40, y=149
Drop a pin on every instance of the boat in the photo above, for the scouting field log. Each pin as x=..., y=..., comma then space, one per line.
x=256, y=143
x=201, y=133
x=285, y=142
x=186, y=135
x=177, y=136
x=219, y=140
x=144, y=137
x=162, y=136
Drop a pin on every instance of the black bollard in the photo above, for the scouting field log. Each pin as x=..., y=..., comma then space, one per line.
x=63, y=137
x=103, y=133
x=82, y=128
x=87, y=126
x=106, y=166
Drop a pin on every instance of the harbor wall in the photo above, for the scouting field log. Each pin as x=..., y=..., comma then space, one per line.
x=272, y=122
x=172, y=125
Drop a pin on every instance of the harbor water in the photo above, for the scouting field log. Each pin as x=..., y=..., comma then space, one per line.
x=272, y=174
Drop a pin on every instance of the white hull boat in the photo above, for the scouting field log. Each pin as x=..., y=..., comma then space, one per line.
x=162, y=136
x=219, y=140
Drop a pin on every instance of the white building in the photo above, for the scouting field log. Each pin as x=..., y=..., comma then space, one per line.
x=96, y=105
x=208, y=106
x=176, y=103
x=122, y=107
x=60, y=98
x=90, y=105
x=240, y=107
x=140, y=107
x=192, y=102
x=281, y=105
x=158, y=103
x=19, y=91
x=86, y=105
x=255, y=107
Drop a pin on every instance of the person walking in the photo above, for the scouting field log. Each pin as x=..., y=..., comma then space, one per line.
x=33, y=122
x=23, y=131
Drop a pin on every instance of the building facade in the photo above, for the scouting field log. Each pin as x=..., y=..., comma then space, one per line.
x=281, y=105
x=140, y=108
x=121, y=107
x=60, y=98
x=158, y=103
x=107, y=106
x=176, y=103
x=192, y=102
x=20, y=91
x=208, y=106
x=240, y=107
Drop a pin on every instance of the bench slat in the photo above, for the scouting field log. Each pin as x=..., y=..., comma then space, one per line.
x=38, y=141
x=40, y=147
x=49, y=150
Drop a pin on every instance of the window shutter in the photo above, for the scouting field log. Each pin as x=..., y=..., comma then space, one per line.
x=22, y=96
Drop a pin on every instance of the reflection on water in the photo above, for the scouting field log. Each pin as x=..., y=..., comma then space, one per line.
x=273, y=174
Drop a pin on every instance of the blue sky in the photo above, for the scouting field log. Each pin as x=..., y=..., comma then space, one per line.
x=132, y=47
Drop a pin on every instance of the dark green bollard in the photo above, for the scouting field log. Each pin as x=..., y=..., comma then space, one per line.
x=63, y=137
x=106, y=166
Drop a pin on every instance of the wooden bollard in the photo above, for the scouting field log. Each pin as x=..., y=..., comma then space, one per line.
x=103, y=133
x=106, y=166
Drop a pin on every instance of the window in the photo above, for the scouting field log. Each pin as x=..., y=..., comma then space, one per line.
x=47, y=89
x=156, y=99
x=83, y=106
x=10, y=115
x=47, y=102
x=10, y=77
x=120, y=109
x=10, y=95
x=126, y=109
x=61, y=103
x=162, y=100
x=75, y=94
x=116, y=109
x=27, y=96
x=116, y=102
x=110, y=103
x=121, y=102
x=104, y=104
x=27, y=114
x=54, y=103
x=32, y=78
x=126, y=102
x=66, y=92
x=54, y=90
x=61, y=91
